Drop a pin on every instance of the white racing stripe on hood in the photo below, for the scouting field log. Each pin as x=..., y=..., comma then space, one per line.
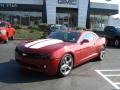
x=35, y=42
x=42, y=43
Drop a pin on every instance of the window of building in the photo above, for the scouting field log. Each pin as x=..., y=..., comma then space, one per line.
x=98, y=22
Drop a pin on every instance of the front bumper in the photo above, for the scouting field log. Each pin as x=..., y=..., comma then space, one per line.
x=49, y=67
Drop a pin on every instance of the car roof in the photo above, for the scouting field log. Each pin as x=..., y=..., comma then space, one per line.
x=4, y=22
x=56, y=25
x=80, y=31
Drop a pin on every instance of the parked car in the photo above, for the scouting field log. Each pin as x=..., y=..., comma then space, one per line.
x=60, y=51
x=57, y=27
x=6, y=31
x=112, y=35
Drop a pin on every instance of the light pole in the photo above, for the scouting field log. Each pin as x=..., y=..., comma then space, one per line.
x=88, y=16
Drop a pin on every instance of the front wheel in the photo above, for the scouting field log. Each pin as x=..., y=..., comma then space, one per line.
x=101, y=54
x=66, y=65
x=6, y=41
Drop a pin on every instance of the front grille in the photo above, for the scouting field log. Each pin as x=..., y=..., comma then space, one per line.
x=40, y=67
x=32, y=55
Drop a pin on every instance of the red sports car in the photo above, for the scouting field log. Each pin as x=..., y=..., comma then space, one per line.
x=6, y=31
x=60, y=51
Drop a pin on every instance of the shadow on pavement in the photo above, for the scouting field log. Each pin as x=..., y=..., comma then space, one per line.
x=112, y=47
x=10, y=72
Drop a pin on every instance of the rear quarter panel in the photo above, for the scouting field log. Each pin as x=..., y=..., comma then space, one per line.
x=100, y=43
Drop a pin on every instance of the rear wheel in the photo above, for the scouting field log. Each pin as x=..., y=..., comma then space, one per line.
x=116, y=43
x=101, y=54
x=66, y=65
x=13, y=37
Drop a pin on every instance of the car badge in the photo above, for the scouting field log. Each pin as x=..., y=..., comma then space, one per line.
x=24, y=54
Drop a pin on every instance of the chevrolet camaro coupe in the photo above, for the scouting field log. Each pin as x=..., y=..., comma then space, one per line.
x=60, y=51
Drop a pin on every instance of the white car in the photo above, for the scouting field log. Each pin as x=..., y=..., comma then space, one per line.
x=57, y=27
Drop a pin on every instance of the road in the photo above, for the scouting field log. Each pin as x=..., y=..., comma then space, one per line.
x=84, y=77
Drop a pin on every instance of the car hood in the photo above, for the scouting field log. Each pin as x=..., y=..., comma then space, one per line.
x=43, y=45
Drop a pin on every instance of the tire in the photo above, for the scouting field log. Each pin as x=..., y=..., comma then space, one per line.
x=117, y=43
x=13, y=37
x=6, y=41
x=101, y=54
x=65, y=65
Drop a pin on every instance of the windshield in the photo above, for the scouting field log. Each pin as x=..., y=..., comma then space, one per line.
x=2, y=24
x=65, y=36
x=118, y=29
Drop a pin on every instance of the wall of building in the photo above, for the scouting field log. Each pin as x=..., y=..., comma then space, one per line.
x=114, y=21
x=74, y=10
x=80, y=4
x=82, y=12
x=51, y=11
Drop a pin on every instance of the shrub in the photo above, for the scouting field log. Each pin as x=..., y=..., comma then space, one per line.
x=80, y=28
x=33, y=27
x=17, y=26
x=28, y=34
x=43, y=27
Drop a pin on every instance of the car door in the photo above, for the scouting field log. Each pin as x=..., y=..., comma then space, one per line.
x=87, y=46
x=7, y=30
x=10, y=30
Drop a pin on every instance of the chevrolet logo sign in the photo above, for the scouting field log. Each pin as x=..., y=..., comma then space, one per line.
x=24, y=54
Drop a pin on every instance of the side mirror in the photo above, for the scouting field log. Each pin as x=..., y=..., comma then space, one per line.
x=84, y=41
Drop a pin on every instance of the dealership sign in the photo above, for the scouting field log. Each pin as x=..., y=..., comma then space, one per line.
x=69, y=2
x=20, y=7
x=8, y=5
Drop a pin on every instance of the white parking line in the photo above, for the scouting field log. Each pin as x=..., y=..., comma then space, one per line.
x=111, y=70
x=117, y=83
x=114, y=75
x=106, y=77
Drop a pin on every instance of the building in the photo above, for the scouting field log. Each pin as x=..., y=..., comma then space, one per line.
x=114, y=21
x=81, y=13
x=100, y=14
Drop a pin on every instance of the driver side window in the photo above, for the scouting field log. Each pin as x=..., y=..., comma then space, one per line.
x=88, y=37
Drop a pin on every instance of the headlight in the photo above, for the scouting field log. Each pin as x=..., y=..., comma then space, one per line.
x=32, y=55
x=3, y=32
x=44, y=56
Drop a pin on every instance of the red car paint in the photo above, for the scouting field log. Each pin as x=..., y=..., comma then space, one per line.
x=80, y=52
x=9, y=31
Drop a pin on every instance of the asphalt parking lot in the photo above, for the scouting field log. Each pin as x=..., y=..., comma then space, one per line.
x=93, y=75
